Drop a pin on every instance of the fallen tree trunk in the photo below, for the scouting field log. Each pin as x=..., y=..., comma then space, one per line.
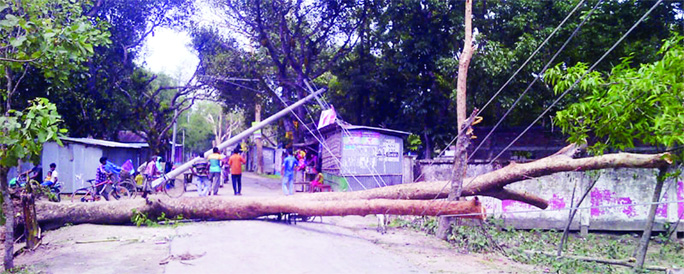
x=372, y=201
x=238, y=208
x=492, y=184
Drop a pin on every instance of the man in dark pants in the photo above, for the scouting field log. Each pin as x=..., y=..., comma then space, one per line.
x=235, y=162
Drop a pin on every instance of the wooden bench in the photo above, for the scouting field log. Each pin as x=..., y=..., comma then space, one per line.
x=322, y=188
x=301, y=186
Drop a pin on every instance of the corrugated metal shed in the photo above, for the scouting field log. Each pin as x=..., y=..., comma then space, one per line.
x=79, y=157
x=361, y=157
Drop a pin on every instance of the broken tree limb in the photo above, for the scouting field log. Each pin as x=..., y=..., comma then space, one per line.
x=523, y=196
x=624, y=262
x=488, y=184
x=238, y=208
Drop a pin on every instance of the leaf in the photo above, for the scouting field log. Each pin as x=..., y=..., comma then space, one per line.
x=18, y=41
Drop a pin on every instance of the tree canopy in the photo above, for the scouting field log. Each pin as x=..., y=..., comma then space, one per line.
x=630, y=104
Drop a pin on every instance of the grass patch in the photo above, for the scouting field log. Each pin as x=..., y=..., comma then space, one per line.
x=514, y=242
x=270, y=176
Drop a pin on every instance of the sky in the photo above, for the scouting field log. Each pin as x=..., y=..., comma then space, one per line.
x=168, y=52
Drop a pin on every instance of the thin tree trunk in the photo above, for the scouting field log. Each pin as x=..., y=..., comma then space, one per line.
x=460, y=154
x=640, y=251
x=8, y=212
x=457, y=175
x=31, y=229
x=463, y=64
x=572, y=216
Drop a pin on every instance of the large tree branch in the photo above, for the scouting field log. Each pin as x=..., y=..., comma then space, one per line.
x=488, y=184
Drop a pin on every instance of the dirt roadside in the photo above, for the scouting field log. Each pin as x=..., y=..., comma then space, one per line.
x=349, y=244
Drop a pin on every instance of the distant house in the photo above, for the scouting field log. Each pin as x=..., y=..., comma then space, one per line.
x=360, y=157
x=80, y=157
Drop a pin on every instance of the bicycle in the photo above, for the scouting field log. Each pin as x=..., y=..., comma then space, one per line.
x=128, y=182
x=91, y=193
x=168, y=186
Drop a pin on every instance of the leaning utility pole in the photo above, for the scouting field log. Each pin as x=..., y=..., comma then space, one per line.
x=186, y=166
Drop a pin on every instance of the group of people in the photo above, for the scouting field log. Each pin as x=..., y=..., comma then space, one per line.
x=209, y=172
x=36, y=173
x=299, y=163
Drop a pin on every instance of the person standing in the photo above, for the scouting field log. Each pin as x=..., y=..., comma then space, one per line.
x=235, y=162
x=101, y=175
x=214, y=170
x=201, y=171
x=288, y=170
x=151, y=172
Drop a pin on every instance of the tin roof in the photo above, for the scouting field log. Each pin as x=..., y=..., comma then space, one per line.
x=353, y=127
x=103, y=143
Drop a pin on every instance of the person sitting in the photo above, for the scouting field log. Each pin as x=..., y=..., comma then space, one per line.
x=35, y=173
x=317, y=183
x=53, y=176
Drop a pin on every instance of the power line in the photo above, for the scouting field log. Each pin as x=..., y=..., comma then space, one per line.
x=543, y=70
x=580, y=79
x=571, y=87
x=320, y=142
x=530, y=85
x=516, y=72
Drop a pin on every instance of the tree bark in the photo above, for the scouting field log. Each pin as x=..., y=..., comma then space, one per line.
x=8, y=213
x=492, y=184
x=640, y=251
x=457, y=174
x=463, y=64
x=52, y=215
x=372, y=201
x=31, y=229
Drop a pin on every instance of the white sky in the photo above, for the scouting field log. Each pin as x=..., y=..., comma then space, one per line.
x=168, y=52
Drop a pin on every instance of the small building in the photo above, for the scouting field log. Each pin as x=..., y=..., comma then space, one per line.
x=269, y=157
x=79, y=157
x=361, y=157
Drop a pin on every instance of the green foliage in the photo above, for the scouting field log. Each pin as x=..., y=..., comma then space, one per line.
x=140, y=218
x=402, y=72
x=24, y=132
x=642, y=103
x=413, y=142
x=471, y=238
x=48, y=34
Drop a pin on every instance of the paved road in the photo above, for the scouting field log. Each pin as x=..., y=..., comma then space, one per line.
x=334, y=245
x=276, y=247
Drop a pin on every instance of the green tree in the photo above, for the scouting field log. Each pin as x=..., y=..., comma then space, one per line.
x=50, y=36
x=96, y=98
x=631, y=104
x=404, y=64
x=198, y=129
x=154, y=103
x=302, y=39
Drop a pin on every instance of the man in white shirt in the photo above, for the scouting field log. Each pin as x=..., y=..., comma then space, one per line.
x=53, y=176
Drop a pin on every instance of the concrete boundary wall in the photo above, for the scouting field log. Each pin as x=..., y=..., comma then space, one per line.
x=614, y=187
